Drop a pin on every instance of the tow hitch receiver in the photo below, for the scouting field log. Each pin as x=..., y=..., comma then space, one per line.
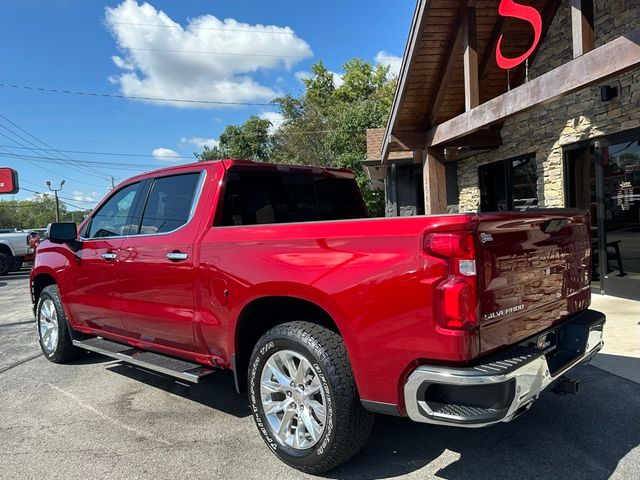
x=566, y=385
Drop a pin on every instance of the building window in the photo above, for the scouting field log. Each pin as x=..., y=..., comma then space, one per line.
x=509, y=185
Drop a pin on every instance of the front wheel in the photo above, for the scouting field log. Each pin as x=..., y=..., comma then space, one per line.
x=16, y=264
x=53, y=330
x=5, y=264
x=304, y=399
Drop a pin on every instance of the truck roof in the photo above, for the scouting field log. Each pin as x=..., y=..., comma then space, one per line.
x=229, y=163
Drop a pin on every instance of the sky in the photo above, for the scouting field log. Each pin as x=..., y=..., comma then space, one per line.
x=222, y=53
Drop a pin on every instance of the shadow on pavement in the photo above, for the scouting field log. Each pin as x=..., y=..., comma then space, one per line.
x=16, y=324
x=560, y=437
x=623, y=366
x=567, y=437
x=89, y=358
x=22, y=274
x=217, y=392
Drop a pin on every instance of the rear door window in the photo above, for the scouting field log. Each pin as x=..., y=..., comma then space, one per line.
x=258, y=198
x=169, y=203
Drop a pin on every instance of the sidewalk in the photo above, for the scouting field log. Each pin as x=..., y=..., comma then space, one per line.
x=621, y=352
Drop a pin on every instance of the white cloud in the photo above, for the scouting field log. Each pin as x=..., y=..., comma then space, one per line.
x=275, y=118
x=79, y=196
x=154, y=62
x=392, y=61
x=337, y=79
x=165, y=154
x=304, y=75
x=200, y=142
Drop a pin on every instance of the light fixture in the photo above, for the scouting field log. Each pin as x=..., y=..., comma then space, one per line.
x=607, y=93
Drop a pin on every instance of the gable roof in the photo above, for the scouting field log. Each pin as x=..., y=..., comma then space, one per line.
x=431, y=83
x=374, y=147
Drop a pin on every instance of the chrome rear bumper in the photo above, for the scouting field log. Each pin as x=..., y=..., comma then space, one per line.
x=504, y=386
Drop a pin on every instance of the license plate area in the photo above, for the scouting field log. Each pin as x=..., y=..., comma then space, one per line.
x=562, y=346
x=547, y=342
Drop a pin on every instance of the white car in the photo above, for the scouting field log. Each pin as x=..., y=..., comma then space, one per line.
x=13, y=248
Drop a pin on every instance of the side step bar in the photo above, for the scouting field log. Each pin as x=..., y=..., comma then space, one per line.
x=191, y=372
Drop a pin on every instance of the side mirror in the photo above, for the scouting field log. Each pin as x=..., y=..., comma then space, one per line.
x=62, y=232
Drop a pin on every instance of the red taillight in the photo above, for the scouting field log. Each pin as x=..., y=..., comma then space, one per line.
x=457, y=294
x=450, y=245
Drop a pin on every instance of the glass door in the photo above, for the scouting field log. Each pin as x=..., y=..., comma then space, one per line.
x=621, y=167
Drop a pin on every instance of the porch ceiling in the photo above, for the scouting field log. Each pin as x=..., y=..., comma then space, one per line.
x=431, y=88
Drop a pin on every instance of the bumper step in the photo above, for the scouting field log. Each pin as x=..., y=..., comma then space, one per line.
x=191, y=372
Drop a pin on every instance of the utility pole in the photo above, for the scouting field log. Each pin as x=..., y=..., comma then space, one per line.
x=55, y=192
x=113, y=181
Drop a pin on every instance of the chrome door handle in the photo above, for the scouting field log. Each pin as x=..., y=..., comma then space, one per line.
x=109, y=256
x=177, y=256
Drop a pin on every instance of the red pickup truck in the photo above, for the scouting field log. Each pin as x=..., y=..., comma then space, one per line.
x=324, y=316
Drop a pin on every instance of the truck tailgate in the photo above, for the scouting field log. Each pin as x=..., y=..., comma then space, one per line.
x=534, y=271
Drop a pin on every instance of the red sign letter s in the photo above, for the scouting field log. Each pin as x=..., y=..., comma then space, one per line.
x=509, y=8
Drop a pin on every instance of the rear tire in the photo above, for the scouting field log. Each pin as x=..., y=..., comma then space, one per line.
x=5, y=264
x=53, y=328
x=315, y=422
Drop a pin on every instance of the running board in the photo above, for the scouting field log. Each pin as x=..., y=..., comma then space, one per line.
x=191, y=372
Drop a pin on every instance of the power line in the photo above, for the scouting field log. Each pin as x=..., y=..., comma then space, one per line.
x=64, y=198
x=121, y=166
x=41, y=142
x=270, y=32
x=22, y=145
x=116, y=154
x=131, y=97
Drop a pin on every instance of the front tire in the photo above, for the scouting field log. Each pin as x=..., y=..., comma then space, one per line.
x=5, y=264
x=304, y=399
x=53, y=329
x=16, y=264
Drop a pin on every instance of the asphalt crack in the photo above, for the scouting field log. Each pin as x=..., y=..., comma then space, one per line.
x=20, y=362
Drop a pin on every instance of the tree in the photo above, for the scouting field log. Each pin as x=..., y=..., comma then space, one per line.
x=35, y=213
x=324, y=126
x=249, y=141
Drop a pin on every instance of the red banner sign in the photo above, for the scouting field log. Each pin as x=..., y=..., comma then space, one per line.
x=509, y=8
x=8, y=181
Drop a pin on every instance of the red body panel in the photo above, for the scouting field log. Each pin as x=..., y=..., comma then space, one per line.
x=371, y=276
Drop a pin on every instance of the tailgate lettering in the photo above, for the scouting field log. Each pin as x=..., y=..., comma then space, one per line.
x=503, y=312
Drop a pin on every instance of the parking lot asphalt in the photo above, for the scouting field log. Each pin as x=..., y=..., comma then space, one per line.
x=97, y=418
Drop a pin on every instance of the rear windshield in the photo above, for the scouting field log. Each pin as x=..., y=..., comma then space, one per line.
x=255, y=198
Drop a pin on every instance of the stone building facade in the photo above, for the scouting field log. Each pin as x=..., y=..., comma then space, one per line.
x=545, y=131
x=550, y=140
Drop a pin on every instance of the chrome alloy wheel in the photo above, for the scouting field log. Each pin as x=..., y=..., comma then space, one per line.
x=48, y=325
x=293, y=400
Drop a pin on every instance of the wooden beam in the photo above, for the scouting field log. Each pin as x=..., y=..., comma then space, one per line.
x=582, y=27
x=489, y=138
x=408, y=140
x=613, y=58
x=470, y=45
x=454, y=44
x=435, y=182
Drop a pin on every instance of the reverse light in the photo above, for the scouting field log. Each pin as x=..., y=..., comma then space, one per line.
x=457, y=294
